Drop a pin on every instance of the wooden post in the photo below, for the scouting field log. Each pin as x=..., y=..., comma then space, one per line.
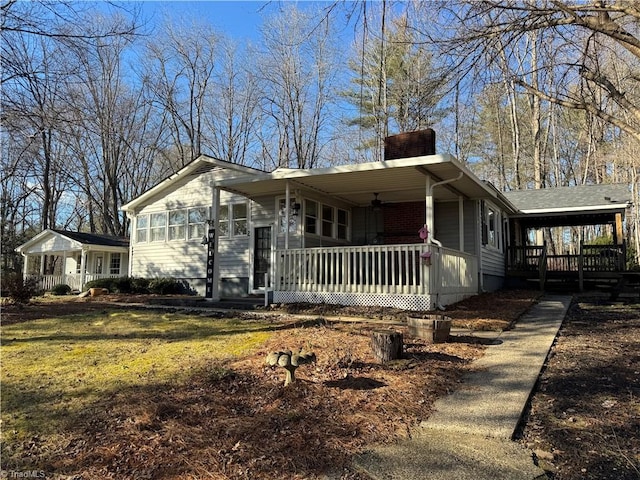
x=386, y=345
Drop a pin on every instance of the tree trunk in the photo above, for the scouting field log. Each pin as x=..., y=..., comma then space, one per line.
x=386, y=345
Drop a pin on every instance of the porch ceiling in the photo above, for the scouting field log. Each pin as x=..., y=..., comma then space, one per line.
x=395, y=180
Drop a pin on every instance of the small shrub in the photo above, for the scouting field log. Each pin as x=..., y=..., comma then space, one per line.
x=108, y=283
x=168, y=286
x=139, y=285
x=19, y=290
x=61, y=289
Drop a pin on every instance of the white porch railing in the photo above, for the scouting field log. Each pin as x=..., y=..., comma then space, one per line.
x=47, y=282
x=373, y=274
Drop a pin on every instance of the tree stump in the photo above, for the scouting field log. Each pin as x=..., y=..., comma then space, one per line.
x=386, y=345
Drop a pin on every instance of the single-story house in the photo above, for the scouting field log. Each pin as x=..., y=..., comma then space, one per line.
x=74, y=258
x=416, y=231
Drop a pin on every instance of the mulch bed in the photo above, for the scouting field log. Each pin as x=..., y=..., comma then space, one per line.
x=584, y=418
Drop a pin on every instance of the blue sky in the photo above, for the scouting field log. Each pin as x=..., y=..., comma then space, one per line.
x=239, y=20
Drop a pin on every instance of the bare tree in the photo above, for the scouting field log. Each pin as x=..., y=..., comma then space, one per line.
x=182, y=63
x=579, y=33
x=32, y=110
x=296, y=72
x=105, y=126
x=57, y=21
x=232, y=118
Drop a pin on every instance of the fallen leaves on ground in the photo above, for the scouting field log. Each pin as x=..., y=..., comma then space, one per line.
x=236, y=420
x=585, y=416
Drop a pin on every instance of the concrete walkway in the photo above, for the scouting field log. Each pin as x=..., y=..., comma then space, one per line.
x=469, y=436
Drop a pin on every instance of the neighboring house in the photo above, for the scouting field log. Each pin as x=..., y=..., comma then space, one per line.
x=416, y=231
x=74, y=258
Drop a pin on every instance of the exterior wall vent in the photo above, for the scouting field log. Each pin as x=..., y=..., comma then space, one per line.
x=410, y=144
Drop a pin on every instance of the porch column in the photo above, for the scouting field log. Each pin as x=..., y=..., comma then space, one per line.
x=428, y=203
x=83, y=268
x=64, y=266
x=25, y=266
x=617, y=234
x=213, y=260
x=461, y=222
x=42, y=262
x=287, y=201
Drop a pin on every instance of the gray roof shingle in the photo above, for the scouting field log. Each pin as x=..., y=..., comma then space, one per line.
x=579, y=196
x=95, y=238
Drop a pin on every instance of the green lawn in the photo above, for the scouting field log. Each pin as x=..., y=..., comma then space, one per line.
x=55, y=370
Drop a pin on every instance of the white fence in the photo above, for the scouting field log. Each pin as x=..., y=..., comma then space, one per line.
x=47, y=282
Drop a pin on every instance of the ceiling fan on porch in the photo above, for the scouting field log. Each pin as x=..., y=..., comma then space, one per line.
x=376, y=203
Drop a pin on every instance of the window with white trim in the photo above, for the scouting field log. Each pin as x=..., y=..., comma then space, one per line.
x=223, y=221
x=114, y=263
x=142, y=223
x=158, y=226
x=177, y=224
x=310, y=216
x=197, y=219
x=342, y=224
x=491, y=225
x=282, y=211
x=326, y=220
x=239, y=211
x=233, y=220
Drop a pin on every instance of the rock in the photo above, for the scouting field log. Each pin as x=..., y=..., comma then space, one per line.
x=544, y=455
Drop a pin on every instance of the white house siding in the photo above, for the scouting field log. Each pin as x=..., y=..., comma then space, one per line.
x=493, y=258
x=53, y=244
x=493, y=268
x=186, y=259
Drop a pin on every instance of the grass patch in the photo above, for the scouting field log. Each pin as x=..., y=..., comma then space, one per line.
x=55, y=370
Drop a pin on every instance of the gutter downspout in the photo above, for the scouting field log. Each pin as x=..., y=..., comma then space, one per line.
x=133, y=225
x=479, y=247
x=432, y=240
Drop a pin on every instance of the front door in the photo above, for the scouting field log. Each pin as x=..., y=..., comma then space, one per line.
x=99, y=265
x=261, y=255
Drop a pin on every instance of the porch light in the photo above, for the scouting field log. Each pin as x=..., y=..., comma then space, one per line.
x=295, y=209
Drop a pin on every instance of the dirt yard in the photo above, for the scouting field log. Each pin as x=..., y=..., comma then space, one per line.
x=235, y=420
x=584, y=421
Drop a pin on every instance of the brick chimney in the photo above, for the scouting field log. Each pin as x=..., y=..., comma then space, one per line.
x=410, y=144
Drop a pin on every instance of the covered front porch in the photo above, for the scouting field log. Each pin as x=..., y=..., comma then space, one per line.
x=55, y=257
x=402, y=233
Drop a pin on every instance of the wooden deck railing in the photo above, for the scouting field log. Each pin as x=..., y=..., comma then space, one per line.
x=590, y=259
x=375, y=269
